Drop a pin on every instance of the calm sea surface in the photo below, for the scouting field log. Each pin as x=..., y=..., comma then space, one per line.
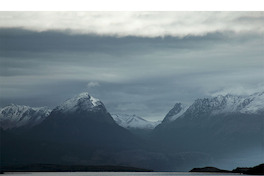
x=115, y=174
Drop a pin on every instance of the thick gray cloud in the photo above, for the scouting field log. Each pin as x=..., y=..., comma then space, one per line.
x=130, y=74
x=143, y=24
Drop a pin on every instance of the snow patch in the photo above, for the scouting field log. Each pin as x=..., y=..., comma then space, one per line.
x=94, y=101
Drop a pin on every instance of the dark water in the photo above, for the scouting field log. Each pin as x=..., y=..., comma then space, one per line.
x=116, y=174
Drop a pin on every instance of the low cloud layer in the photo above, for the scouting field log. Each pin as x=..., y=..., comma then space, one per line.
x=140, y=24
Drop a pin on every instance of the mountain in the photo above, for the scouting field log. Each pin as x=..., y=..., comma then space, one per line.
x=226, y=105
x=14, y=116
x=175, y=112
x=81, y=119
x=221, y=105
x=133, y=121
x=226, y=127
x=79, y=131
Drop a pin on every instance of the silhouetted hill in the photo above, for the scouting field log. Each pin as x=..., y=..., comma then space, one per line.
x=209, y=169
x=257, y=170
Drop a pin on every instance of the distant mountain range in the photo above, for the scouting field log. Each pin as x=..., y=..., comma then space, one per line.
x=82, y=131
x=133, y=121
x=15, y=116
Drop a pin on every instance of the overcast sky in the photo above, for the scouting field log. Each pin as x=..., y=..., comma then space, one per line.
x=135, y=62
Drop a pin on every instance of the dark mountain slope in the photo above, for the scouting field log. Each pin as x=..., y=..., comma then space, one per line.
x=79, y=131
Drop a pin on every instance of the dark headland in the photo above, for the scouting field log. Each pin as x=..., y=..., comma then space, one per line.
x=209, y=169
x=257, y=170
x=70, y=168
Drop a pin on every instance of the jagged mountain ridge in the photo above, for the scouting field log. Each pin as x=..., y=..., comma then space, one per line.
x=133, y=121
x=219, y=105
x=228, y=104
x=17, y=115
x=14, y=116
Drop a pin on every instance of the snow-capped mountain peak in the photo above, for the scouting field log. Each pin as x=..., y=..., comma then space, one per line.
x=175, y=112
x=12, y=116
x=253, y=104
x=133, y=121
x=81, y=102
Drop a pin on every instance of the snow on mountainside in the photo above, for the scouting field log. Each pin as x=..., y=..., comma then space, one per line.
x=256, y=104
x=253, y=104
x=81, y=102
x=175, y=112
x=13, y=116
x=133, y=121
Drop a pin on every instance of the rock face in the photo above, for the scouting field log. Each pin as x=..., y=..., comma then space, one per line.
x=14, y=116
x=133, y=122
